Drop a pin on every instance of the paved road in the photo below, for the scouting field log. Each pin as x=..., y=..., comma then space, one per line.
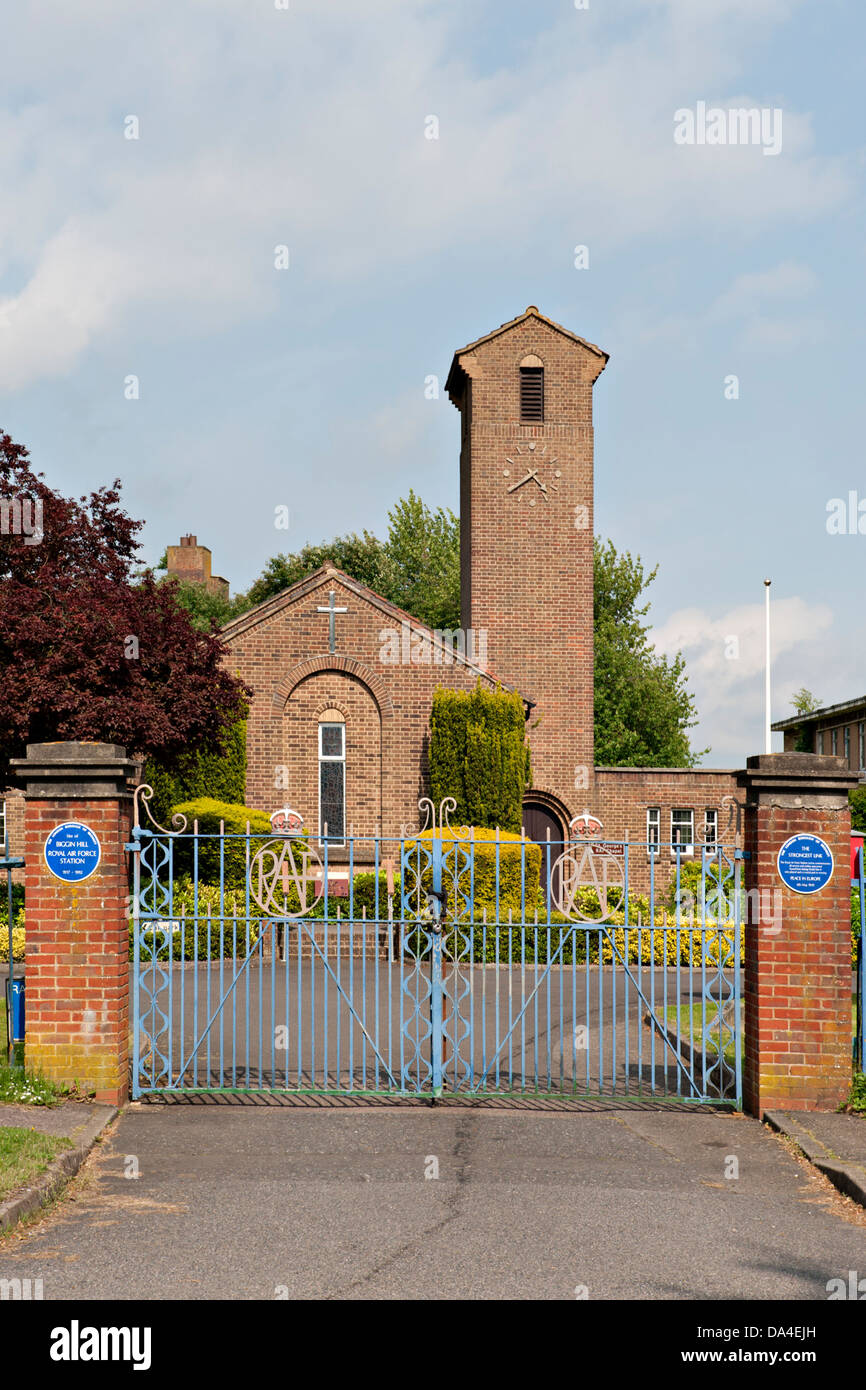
x=254, y=1201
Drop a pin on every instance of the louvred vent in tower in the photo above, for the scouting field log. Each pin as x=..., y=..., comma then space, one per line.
x=531, y=394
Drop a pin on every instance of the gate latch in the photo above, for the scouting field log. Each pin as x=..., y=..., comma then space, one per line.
x=437, y=901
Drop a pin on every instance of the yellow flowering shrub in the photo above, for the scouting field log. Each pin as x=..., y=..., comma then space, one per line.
x=17, y=938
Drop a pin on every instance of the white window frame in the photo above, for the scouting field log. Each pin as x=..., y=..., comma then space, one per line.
x=846, y=743
x=340, y=758
x=819, y=741
x=653, y=829
x=861, y=731
x=683, y=848
x=711, y=816
x=834, y=743
x=2, y=823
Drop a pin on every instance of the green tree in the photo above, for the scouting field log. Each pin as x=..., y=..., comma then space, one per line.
x=417, y=567
x=857, y=800
x=218, y=772
x=643, y=710
x=423, y=562
x=363, y=557
x=207, y=612
x=804, y=701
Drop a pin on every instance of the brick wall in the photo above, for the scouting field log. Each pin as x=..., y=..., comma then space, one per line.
x=13, y=800
x=622, y=794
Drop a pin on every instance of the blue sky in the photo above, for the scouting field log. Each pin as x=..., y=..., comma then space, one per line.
x=305, y=127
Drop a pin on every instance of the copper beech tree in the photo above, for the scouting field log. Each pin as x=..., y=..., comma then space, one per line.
x=89, y=647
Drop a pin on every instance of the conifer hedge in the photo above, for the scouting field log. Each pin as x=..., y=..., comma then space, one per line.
x=479, y=755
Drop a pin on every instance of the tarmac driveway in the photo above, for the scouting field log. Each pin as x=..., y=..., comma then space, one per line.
x=262, y=1201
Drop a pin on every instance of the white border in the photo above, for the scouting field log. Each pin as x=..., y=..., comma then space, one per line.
x=806, y=835
x=78, y=824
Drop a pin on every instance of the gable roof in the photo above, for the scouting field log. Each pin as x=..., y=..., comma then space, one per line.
x=531, y=312
x=326, y=574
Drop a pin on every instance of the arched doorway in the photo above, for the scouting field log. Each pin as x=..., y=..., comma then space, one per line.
x=538, y=820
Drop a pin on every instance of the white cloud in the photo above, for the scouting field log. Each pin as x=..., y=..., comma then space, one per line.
x=261, y=126
x=725, y=665
x=750, y=292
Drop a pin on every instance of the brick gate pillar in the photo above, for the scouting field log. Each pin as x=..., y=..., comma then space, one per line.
x=77, y=951
x=797, y=975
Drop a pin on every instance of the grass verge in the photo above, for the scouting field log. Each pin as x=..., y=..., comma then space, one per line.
x=689, y=1021
x=24, y=1154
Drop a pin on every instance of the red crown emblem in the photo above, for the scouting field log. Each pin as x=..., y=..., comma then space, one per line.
x=286, y=821
x=585, y=827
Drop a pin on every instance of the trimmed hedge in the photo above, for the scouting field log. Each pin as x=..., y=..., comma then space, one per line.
x=187, y=903
x=566, y=944
x=479, y=756
x=857, y=802
x=18, y=938
x=181, y=944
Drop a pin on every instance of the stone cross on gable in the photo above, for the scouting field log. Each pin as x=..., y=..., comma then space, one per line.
x=331, y=610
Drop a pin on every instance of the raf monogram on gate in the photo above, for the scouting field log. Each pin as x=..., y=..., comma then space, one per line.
x=279, y=868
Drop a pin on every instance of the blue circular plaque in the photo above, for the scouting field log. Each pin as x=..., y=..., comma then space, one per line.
x=805, y=863
x=72, y=851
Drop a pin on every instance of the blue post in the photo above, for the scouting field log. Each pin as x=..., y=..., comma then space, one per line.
x=15, y=987
x=436, y=1011
x=136, y=954
x=436, y=1020
x=861, y=964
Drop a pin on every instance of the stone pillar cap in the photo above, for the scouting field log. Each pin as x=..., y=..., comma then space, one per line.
x=814, y=773
x=76, y=770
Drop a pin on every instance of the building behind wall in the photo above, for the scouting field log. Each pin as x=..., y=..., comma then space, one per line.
x=837, y=730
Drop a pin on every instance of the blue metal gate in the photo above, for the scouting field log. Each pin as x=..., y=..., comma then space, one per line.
x=432, y=964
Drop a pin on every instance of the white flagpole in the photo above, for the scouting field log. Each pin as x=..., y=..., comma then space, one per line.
x=768, y=737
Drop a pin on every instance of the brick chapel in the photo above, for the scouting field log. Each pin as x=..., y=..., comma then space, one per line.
x=343, y=681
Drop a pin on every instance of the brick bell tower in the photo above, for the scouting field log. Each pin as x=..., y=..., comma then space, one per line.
x=524, y=393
